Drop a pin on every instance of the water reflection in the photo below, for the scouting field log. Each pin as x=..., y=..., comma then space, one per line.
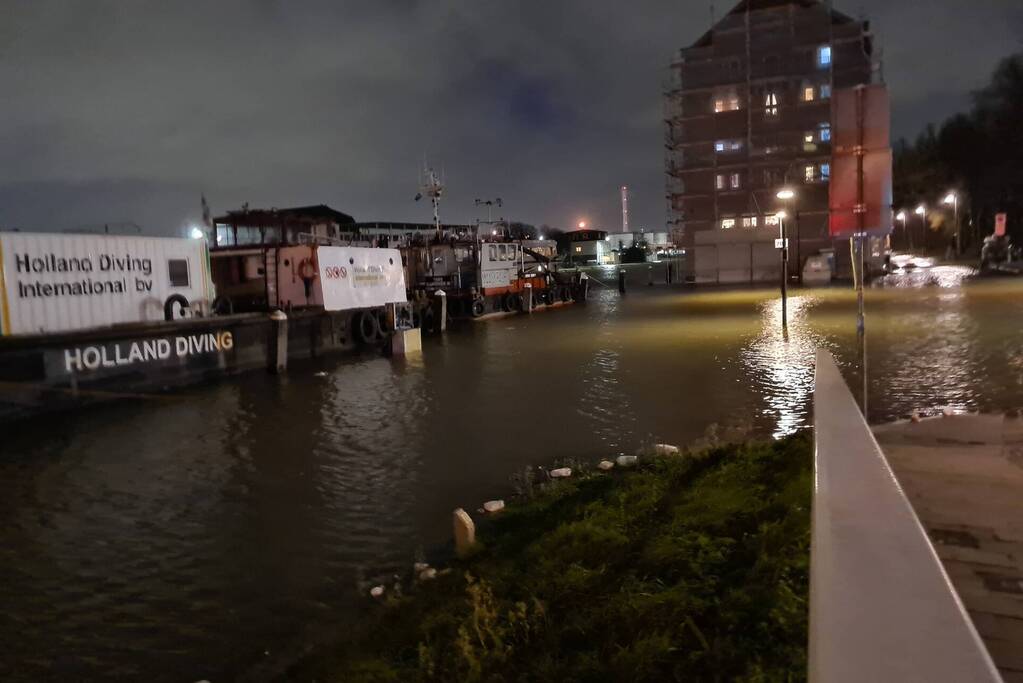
x=780, y=362
x=182, y=540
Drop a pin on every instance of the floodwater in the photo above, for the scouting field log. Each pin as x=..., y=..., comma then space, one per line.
x=201, y=535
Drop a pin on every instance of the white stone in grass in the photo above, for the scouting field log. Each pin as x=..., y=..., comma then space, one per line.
x=428, y=574
x=665, y=449
x=376, y=591
x=605, y=465
x=492, y=506
x=465, y=531
x=561, y=473
x=626, y=460
x=418, y=567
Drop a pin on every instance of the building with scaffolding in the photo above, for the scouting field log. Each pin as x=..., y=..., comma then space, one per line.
x=747, y=113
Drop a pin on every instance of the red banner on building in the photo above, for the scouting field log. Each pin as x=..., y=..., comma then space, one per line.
x=861, y=172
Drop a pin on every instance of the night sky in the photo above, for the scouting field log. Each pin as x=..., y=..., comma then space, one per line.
x=128, y=111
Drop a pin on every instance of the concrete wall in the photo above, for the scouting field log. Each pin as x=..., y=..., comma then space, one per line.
x=881, y=606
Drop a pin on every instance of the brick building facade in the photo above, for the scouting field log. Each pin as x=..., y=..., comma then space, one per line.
x=748, y=112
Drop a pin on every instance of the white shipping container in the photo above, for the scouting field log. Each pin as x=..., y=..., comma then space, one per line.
x=55, y=283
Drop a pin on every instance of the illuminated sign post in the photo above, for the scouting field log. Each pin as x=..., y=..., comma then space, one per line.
x=1000, y=221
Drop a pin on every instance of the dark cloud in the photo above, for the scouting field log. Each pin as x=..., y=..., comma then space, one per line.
x=126, y=111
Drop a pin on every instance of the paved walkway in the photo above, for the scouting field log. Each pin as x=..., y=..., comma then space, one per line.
x=964, y=476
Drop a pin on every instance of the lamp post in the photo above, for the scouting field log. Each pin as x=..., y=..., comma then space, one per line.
x=785, y=194
x=922, y=212
x=901, y=217
x=784, y=270
x=953, y=199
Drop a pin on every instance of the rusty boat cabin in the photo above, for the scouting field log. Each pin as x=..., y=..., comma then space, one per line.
x=262, y=259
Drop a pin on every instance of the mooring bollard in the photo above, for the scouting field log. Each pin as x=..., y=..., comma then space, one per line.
x=649, y=276
x=584, y=283
x=442, y=309
x=667, y=273
x=278, y=356
x=465, y=532
x=621, y=281
x=529, y=297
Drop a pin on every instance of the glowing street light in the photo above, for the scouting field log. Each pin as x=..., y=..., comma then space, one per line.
x=953, y=199
x=786, y=194
x=902, y=217
x=582, y=224
x=196, y=233
x=922, y=212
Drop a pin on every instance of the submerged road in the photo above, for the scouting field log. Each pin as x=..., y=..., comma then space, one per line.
x=195, y=537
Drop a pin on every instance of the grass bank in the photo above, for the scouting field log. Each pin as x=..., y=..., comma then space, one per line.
x=685, y=568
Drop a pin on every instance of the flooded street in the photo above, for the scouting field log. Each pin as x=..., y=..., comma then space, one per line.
x=191, y=536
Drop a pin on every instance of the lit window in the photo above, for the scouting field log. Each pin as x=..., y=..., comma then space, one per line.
x=826, y=91
x=727, y=101
x=808, y=93
x=825, y=172
x=771, y=104
x=824, y=130
x=749, y=221
x=719, y=183
x=809, y=141
x=824, y=56
x=727, y=223
x=735, y=181
x=771, y=220
x=808, y=137
x=578, y=250
x=727, y=145
x=810, y=173
x=719, y=146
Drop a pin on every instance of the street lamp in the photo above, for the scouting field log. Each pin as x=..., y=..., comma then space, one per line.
x=785, y=194
x=953, y=199
x=582, y=224
x=196, y=233
x=901, y=217
x=922, y=212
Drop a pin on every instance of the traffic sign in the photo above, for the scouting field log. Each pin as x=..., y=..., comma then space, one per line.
x=1000, y=220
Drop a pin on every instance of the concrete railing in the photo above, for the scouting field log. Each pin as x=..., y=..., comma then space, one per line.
x=881, y=606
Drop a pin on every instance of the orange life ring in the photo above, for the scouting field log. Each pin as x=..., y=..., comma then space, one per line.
x=307, y=269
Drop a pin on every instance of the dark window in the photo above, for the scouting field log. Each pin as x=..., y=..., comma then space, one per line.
x=177, y=268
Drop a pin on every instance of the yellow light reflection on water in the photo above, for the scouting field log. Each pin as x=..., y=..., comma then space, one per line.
x=782, y=362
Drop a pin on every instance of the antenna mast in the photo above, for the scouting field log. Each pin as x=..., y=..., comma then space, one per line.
x=431, y=186
x=625, y=209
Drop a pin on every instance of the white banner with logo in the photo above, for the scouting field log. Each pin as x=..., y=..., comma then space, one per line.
x=358, y=277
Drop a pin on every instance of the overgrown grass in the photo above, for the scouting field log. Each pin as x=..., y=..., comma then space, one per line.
x=690, y=568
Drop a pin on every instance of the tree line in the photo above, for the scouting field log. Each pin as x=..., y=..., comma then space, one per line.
x=978, y=155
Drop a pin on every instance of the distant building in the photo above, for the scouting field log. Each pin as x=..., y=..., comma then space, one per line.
x=589, y=246
x=748, y=112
